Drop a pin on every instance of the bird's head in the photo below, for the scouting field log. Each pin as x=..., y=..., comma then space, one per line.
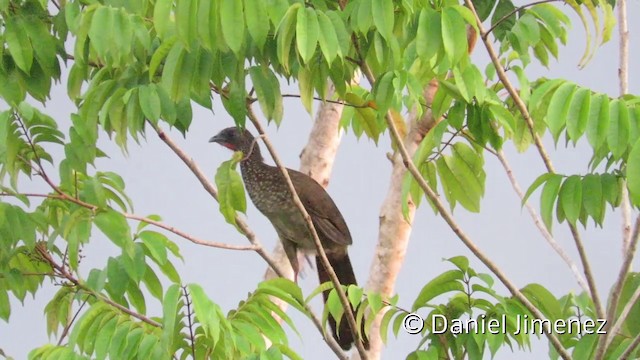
x=235, y=139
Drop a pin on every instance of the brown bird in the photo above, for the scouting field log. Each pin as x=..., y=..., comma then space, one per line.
x=269, y=192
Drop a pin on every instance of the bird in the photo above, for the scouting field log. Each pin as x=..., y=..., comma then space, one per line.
x=269, y=192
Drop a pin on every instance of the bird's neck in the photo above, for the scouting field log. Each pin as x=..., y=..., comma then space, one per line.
x=252, y=158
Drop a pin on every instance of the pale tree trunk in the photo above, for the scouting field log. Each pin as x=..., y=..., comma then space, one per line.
x=394, y=229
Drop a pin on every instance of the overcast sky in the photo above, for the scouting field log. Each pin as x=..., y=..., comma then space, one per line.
x=159, y=183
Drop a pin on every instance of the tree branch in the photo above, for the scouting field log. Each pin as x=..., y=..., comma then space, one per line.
x=540, y=224
x=508, y=15
x=320, y=250
x=606, y=339
x=63, y=272
x=522, y=107
x=65, y=197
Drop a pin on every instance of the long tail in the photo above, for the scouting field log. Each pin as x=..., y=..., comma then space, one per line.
x=342, y=266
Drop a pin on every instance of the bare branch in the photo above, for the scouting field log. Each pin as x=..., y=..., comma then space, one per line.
x=623, y=315
x=540, y=224
x=606, y=339
x=632, y=347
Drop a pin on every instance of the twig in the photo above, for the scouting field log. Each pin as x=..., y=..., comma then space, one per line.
x=522, y=107
x=323, y=256
x=623, y=315
x=182, y=234
x=338, y=102
x=540, y=224
x=508, y=15
x=614, y=298
x=632, y=347
x=62, y=271
x=67, y=327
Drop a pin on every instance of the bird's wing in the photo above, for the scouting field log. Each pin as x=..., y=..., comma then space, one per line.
x=324, y=213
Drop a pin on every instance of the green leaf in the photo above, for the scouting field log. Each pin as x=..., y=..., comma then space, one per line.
x=592, y=198
x=548, y=199
x=618, y=135
x=598, y=122
x=286, y=31
x=578, y=114
x=231, y=196
x=206, y=311
x=446, y=282
x=257, y=22
x=155, y=243
x=18, y=42
x=116, y=228
x=307, y=32
x=539, y=181
x=267, y=89
x=453, y=39
x=559, y=108
x=186, y=15
x=100, y=39
x=571, y=198
x=328, y=38
x=633, y=174
x=383, y=14
x=306, y=88
x=232, y=20
x=161, y=16
x=150, y=102
x=170, y=308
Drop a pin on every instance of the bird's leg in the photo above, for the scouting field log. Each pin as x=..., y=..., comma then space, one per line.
x=292, y=254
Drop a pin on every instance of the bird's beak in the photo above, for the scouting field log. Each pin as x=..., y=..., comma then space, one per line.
x=216, y=139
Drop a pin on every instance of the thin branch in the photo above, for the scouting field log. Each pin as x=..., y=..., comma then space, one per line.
x=193, y=239
x=624, y=314
x=338, y=102
x=632, y=347
x=540, y=224
x=321, y=253
x=625, y=268
x=522, y=107
x=62, y=271
x=508, y=15
x=67, y=327
x=182, y=234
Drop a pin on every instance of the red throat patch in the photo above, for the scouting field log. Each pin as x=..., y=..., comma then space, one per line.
x=228, y=146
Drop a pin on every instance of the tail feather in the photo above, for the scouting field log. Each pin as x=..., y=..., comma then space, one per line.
x=341, y=264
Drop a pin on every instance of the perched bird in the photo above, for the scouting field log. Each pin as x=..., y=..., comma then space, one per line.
x=269, y=192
